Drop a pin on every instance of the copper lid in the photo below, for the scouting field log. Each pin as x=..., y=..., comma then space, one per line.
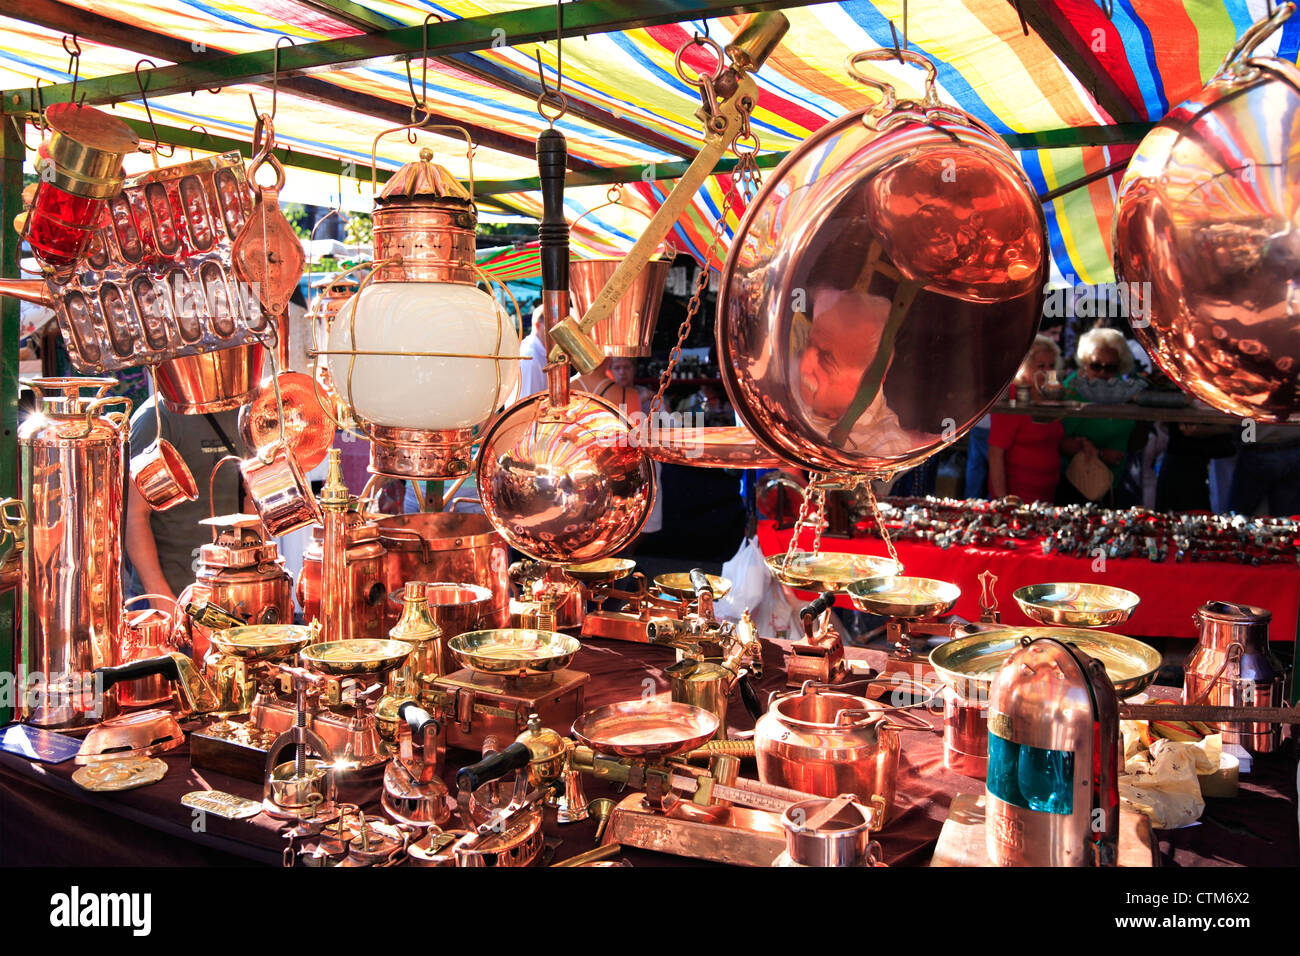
x=423, y=179
x=86, y=149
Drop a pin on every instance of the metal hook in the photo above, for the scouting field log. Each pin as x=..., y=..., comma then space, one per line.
x=275, y=78
x=144, y=98
x=206, y=135
x=421, y=102
x=553, y=97
x=74, y=63
x=897, y=50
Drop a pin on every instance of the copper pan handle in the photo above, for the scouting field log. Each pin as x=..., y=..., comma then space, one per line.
x=889, y=102
x=212, y=497
x=1257, y=34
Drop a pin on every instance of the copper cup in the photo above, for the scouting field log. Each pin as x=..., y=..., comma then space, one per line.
x=162, y=477
x=279, y=491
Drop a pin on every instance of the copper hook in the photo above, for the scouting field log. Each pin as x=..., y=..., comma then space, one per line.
x=144, y=98
x=74, y=62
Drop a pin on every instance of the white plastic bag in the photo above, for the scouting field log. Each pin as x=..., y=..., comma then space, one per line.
x=754, y=588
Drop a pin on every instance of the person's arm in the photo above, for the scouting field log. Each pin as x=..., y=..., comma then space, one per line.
x=997, y=472
x=141, y=547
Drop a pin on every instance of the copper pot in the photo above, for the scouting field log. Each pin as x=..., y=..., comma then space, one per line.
x=1204, y=236
x=364, y=592
x=211, y=382
x=454, y=608
x=1233, y=666
x=445, y=546
x=146, y=633
x=889, y=230
x=162, y=477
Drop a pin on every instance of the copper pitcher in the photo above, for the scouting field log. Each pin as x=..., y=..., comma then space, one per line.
x=1233, y=666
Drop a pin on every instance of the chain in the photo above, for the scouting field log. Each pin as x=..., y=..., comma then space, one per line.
x=813, y=493
x=880, y=524
x=819, y=520
x=290, y=851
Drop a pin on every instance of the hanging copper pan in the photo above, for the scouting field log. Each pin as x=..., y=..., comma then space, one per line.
x=883, y=286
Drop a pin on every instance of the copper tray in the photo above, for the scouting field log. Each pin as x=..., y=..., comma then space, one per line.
x=908, y=598
x=604, y=571
x=678, y=585
x=355, y=658
x=829, y=570
x=648, y=729
x=513, y=650
x=969, y=664
x=1077, y=605
x=729, y=446
x=263, y=642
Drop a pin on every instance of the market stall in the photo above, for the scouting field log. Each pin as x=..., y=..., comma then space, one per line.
x=881, y=201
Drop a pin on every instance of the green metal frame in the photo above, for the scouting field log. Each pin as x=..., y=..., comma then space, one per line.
x=11, y=203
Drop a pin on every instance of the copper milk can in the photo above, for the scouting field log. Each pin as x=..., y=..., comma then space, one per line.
x=365, y=594
x=444, y=546
x=1233, y=666
x=827, y=743
x=73, y=469
x=241, y=572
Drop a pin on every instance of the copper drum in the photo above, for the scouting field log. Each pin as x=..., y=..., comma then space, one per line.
x=162, y=477
x=965, y=734
x=363, y=583
x=443, y=546
x=146, y=633
x=279, y=491
x=456, y=608
x=630, y=328
x=212, y=381
x=828, y=743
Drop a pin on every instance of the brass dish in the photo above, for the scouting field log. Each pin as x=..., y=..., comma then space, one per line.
x=969, y=664
x=903, y=597
x=140, y=734
x=645, y=729
x=354, y=658
x=1077, y=605
x=678, y=585
x=604, y=571
x=727, y=446
x=513, y=650
x=262, y=642
x=829, y=570
x=108, y=776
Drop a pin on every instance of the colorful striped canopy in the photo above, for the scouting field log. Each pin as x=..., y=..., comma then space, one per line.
x=1069, y=64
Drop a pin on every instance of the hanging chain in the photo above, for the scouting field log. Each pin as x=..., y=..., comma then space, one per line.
x=880, y=525
x=813, y=495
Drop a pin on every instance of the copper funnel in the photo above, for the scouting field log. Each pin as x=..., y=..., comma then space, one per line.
x=211, y=382
x=28, y=290
x=629, y=329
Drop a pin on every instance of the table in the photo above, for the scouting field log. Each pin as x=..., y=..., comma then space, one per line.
x=1170, y=591
x=45, y=819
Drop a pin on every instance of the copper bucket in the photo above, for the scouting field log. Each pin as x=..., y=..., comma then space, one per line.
x=628, y=332
x=456, y=609
x=211, y=382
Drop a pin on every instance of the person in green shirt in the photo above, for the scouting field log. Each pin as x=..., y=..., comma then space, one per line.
x=1101, y=354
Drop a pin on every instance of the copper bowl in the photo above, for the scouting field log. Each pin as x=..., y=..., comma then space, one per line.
x=263, y=642
x=829, y=570
x=354, y=658
x=904, y=597
x=645, y=729
x=212, y=381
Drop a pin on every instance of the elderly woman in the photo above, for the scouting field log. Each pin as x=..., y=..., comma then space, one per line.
x=1024, y=454
x=1102, y=354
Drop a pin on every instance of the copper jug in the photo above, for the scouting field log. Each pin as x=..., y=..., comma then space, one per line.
x=73, y=473
x=365, y=594
x=1233, y=666
x=242, y=572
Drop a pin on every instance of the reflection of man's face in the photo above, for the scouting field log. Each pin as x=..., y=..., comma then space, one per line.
x=841, y=344
x=621, y=370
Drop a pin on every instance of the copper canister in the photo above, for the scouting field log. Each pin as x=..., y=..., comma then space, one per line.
x=965, y=734
x=364, y=591
x=1233, y=666
x=241, y=572
x=455, y=608
x=444, y=546
x=73, y=472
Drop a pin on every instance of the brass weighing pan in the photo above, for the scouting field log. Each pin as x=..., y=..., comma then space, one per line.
x=263, y=642
x=1076, y=605
x=903, y=597
x=727, y=446
x=969, y=664
x=829, y=570
x=355, y=658
x=604, y=571
x=678, y=585
x=645, y=729
x=514, y=651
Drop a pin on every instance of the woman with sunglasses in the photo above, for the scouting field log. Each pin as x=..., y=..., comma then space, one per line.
x=1102, y=354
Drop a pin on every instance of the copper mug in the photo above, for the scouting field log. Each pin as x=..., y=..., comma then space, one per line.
x=162, y=477
x=279, y=491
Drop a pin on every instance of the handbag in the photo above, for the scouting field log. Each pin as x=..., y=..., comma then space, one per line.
x=1089, y=474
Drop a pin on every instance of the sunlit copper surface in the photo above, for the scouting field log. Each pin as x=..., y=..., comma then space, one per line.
x=307, y=430
x=162, y=477
x=881, y=290
x=1205, y=229
x=566, y=483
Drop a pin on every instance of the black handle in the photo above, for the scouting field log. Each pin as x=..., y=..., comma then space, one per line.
x=493, y=767
x=749, y=697
x=417, y=719
x=700, y=582
x=553, y=233
x=133, y=670
x=821, y=604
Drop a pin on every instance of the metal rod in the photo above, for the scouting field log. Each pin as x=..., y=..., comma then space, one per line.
x=591, y=856
x=1209, y=714
x=1083, y=181
x=11, y=204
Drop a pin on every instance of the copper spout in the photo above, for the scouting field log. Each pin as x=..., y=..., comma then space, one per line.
x=29, y=290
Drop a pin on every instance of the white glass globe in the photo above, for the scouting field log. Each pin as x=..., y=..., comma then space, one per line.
x=419, y=391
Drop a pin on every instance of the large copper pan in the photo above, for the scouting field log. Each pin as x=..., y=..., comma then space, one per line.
x=883, y=286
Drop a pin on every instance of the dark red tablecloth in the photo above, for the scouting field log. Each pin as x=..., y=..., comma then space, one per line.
x=47, y=819
x=1170, y=591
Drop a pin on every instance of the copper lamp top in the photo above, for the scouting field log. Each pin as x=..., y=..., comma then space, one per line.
x=423, y=179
